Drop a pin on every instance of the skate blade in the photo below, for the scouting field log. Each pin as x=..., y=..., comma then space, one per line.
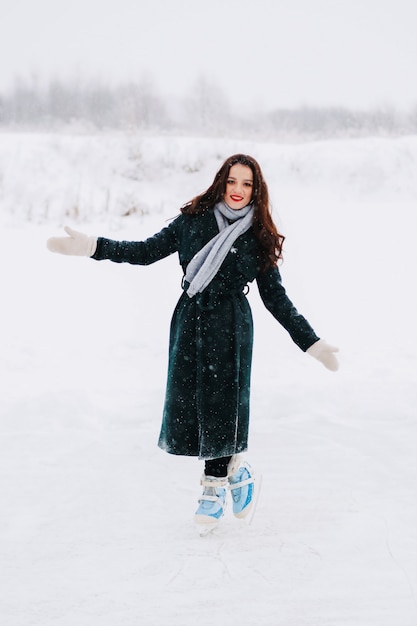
x=205, y=526
x=206, y=529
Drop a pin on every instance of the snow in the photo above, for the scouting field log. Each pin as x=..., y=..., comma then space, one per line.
x=96, y=524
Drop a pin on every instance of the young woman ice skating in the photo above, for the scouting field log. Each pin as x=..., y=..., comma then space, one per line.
x=225, y=239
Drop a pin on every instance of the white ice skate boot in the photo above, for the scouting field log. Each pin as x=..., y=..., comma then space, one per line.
x=212, y=503
x=242, y=488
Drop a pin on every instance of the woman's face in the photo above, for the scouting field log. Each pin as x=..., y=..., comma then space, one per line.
x=239, y=186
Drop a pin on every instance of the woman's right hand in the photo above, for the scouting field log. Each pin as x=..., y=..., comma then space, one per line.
x=324, y=352
x=76, y=244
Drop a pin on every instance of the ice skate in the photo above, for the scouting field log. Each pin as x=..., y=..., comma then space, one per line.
x=212, y=504
x=244, y=492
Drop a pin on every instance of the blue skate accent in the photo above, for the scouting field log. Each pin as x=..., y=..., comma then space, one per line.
x=243, y=492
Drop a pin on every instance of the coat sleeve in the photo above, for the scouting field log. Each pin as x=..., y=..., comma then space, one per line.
x=145, y=252
x=277, y=302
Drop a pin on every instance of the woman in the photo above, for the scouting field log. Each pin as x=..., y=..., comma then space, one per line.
x=225, y=239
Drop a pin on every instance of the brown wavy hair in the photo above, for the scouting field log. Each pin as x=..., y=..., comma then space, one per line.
x=270, y=240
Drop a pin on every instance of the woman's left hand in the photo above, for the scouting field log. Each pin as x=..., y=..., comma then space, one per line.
x=324, y=352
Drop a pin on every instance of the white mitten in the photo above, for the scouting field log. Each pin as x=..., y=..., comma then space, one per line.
x=77, y=244
x=324, y=352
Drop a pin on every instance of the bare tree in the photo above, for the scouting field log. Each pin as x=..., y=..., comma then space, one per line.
x=141, y=106
x=207, y=107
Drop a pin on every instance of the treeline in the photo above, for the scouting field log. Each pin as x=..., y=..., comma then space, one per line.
x=93, y=105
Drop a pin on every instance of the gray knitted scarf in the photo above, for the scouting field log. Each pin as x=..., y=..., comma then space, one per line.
x=205, y=264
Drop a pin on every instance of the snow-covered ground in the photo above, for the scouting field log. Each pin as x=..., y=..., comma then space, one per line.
x=96, y=521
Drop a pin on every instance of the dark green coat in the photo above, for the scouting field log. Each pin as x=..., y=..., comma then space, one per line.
x=206, y=412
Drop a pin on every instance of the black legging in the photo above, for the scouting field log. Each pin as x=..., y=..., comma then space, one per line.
x=217, y=467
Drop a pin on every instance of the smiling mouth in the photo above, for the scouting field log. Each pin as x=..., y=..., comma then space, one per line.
x=237, y=198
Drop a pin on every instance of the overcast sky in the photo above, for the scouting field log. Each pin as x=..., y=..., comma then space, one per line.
x=273, y=53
